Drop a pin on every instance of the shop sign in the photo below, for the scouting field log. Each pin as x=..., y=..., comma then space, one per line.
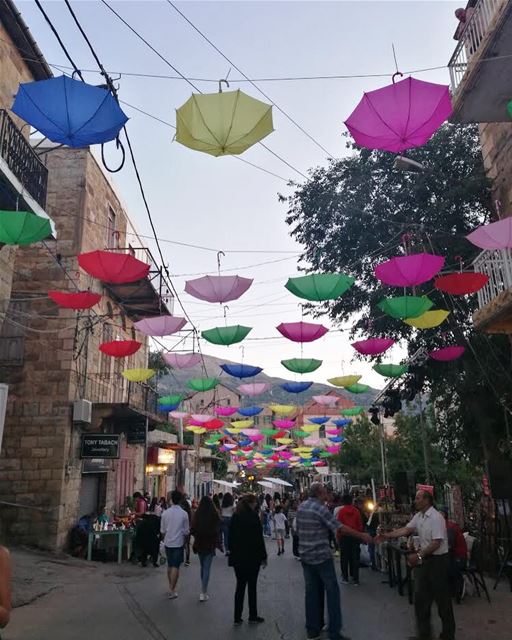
x=425, y=487
x=136, y=432
x=166, y=456
x=96, y=465
x=100, y=445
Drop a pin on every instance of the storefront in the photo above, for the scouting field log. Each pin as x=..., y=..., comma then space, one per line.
x=159, y=471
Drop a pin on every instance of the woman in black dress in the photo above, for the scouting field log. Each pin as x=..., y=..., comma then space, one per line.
x=247, y=554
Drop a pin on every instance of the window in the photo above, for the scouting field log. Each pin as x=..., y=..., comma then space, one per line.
x=321, y=431
x=256, y=421
x=267, y=419
x=228, y=402
x=112, y=241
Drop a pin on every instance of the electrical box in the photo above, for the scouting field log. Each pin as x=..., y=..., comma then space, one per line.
x=82, y=411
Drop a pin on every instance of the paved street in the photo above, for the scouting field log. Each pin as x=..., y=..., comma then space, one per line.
x=85, y=599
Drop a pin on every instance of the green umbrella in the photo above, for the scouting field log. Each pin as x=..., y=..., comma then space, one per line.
x=23, y=227
x=301, y=434
x=405, y=306
x=325, y=454
x=320, y=286
x=203, y=384
x=301, y=365
x=226, y=335
x=269, y=432
x=391, y=370
x=353, y=411
x=357, y=388
x=174, y=399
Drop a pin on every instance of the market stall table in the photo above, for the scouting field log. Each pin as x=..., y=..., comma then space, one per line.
x=121, y=534
x=396, y=555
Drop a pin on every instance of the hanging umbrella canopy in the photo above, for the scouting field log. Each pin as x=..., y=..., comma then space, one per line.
x=138, y=375
x=446, y=354
x=409, y=271
x=373, y=346
x=172, y=399
x=301, y=365
x=182, y=360
x=428, y=320
x=302, y=331
x=240, y=370
x=295, y=387
x=300, y=434
x=357, y=388
x=461, y=284
x=249, y=411
x=218, y=288
x=400, y=116
x=214, y=424
x=226, y=335
x=178, y=415
x=391, y=370
x=342, y=422
x=344, y=381
x=224, y=123
x=282, y=409
x=284, y=424
x=201, y=418
x=326, y=401
x=319, y=420
x=320, y=286
x=225, y=411
x=74, y=300
x=242, y=424
x=120, y=348
x=405, y=306
x=202, y=384
x=310, y=428
x=352, y=411
x=164, y=325
x=269, y=432
x=69, y=111
x=496, y=235
x=254, y=388
x=23, y=227
x=113, y=268
x=168, y=407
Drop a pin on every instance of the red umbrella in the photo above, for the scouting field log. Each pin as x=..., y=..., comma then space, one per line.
x=120, y=348
x=461, y=284
x=213, y=424
x=114, y=268
x=78, y=300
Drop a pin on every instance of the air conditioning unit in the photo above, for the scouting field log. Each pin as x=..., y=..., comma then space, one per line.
x=82, y=411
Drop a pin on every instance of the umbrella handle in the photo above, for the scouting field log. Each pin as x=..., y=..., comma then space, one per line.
x=220, y=85
x=119, y=145
x=398, y=73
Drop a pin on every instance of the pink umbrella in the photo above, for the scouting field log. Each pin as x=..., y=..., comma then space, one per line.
x=333, y=432
x=182, y=360
x=160, y=326
x=447, y=353
x=312, y=442
x=256, y=437
x=218, y=288
x=400, y=116
x=286, y=455
x=326, y=401
x=284, y=424
x=178, y=415
x=250, y=432
x=201, y=417
x=409, y=271
x=254, y=388
x=496, y=235
x=225, y=411
x=373, y=346
x=230, y=446
x=302, y=331
x=333, y=449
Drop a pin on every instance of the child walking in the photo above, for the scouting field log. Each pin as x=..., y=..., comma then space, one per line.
x=280, y=521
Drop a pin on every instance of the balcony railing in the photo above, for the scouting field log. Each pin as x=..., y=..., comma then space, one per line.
x=115, y=389
x=471, y=38
x=22, y=159
x=497, y=265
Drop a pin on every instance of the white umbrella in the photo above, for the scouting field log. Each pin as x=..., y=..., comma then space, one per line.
x=267, y=485
x=225, y=483
x=279, y=481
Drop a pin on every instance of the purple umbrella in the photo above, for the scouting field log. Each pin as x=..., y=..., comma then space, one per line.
x=218, y=288
x=409, y=271
x=302, y=331
x=254, y=388
x=160, y=326
x=373, y=346
x=182, y=360
x=400, y=116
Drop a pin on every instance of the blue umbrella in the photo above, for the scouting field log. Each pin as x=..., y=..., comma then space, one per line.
x=70, y=112
x=248, y=412
x=319, y=420
x=342, y=422
x=241, y=370
x=336, y=438
x=296, y=387
x=168, y=407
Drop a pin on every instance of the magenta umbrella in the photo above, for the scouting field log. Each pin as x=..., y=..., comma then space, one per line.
x=160, y=326
x=446, y=354
x=373, y=346
x=254, y=388
x=302, y=331
x=409, y=271
x=225, y=411
x=218, y=288
x=284, y=424
x=496, y=235
x=182, y=360
x=400, y=116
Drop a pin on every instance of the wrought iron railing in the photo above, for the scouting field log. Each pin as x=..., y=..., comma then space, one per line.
x=471, y=38
x=115, y=389
x=497, y=264
x=22, y=159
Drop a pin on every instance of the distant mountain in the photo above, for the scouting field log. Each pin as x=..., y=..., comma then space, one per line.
x=176, y=381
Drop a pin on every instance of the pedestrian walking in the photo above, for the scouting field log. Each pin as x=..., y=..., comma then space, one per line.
x=458, y=556
x=175, y=528
x=5, y=587
x=349, y=516
x=280, y=529
x=292, y=519
x=314, y=521
x=431, y=567
x=206, y=525
x=226, y=511
x=247, y=554
x=186, y=506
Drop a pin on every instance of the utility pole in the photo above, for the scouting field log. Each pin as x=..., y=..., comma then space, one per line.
x=144, y=477
x=424, y=442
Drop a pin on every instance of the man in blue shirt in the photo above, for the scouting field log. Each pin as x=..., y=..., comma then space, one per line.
x=314, y=521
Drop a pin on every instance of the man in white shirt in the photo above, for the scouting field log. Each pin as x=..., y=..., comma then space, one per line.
x=431, y=565
x=175, y=528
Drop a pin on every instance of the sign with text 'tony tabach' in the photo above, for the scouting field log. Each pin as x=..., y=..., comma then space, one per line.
x=100, y=445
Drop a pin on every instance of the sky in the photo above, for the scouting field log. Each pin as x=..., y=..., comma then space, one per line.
x=222, y=204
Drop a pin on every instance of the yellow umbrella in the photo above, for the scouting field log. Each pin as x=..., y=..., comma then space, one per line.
x=198, y=430
x=242, y=424
x=428, y=320
x=284, y=440
x=138, y=375
x=282, y=409
x=222, y=123
x=310, y=428
x=233, y=432
x=344, y=381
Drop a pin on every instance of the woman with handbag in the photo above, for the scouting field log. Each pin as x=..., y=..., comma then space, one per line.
x=247, y=554
x=206, y=531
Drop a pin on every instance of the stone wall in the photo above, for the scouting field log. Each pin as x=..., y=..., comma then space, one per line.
x=496, y=141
